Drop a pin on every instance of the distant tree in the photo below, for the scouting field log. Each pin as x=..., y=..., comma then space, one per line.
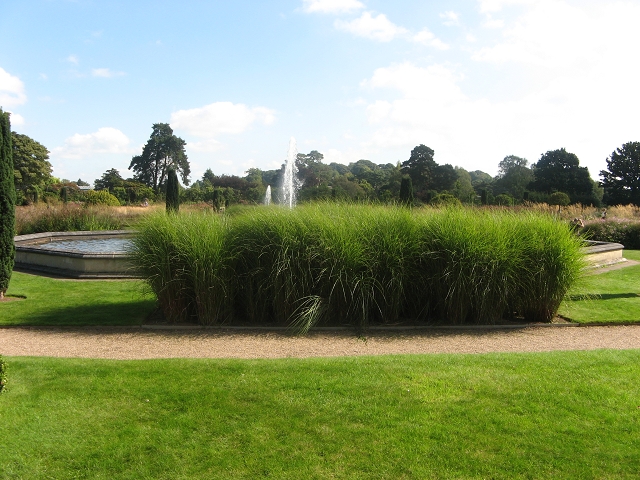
x=209, y=177
x=110, y=179
x=173, y=192
x=254, y=175
x=621, y=180
x=406, y=190
x=420, y=167
x=463, y=188
x=81, y=183
x=32, y=169
x=514, y=176
x=340, y=168
x=162, y=151
x=311, y=171
x=560, y=171
x=7, y=203
x=444, y=178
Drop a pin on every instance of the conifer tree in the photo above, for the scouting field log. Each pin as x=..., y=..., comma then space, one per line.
x=173, y=193
x=7, y=204
x=406, y=190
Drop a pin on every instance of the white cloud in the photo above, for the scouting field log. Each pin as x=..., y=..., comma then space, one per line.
x=426, y=37
x=73, y=59
x=450, y=18
x=376, y=28
x=11, y=90
x=208, y=145
x=488, y=6
x=331, y=6
x=562, y=37
x=104, y=140
x=491, y=22
x=219, y=118
x=105, y=73
x=435, y=83
x=333, y=155
x=16, y=119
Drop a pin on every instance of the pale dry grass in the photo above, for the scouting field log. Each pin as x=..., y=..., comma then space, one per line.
x=44, y=217
x=586, y=212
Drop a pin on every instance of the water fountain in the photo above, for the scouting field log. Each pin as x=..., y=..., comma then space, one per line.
x=290, y=182
x=267, y=196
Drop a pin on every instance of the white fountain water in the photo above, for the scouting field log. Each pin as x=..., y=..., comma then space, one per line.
x=290, y=182
x=267, y=196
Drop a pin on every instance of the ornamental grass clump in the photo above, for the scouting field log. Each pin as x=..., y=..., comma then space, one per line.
x=333, y=264
x=185, y=261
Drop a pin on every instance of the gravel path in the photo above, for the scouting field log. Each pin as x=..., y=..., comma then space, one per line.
x=140, y=343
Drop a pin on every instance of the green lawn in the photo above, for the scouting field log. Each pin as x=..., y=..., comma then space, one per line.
x=610, y=297
x=53, y=301
x=547, y=415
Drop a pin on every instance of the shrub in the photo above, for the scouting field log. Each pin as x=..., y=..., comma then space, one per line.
x=626, y=232
x=445, y=199
x=100, y=197
x=3, y=374
x=504, y=200
x=355, y=264
x=559, y=198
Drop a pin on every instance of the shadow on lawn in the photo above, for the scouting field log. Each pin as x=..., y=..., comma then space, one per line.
x=601, y=296
x=134, y=312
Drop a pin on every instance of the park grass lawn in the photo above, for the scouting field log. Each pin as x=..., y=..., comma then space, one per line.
x=53, y=301
x=533, y=415
x=610, y=297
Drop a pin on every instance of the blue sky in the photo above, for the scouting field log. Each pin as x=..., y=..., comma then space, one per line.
x=475, y=80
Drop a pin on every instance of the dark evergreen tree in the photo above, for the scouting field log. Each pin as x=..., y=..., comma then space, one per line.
x=7, y=204
x=560, y=171
x=621, y=180
x=173, y=193
x=406, y=190
x=483, y=197
x=420, y=167
x=109, y=180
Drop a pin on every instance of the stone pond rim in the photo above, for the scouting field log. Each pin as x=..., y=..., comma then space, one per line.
x=30, y=257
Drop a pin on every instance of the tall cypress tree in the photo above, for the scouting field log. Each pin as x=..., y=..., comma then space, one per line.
x=7, y=204
x=173, y=193
x=406, y=190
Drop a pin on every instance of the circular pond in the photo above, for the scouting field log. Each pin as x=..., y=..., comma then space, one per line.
x=99, y=254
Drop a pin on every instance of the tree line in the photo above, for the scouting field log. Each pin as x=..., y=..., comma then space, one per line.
x=555, y=178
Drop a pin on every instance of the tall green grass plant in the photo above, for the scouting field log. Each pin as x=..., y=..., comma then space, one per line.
x=335, y=264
